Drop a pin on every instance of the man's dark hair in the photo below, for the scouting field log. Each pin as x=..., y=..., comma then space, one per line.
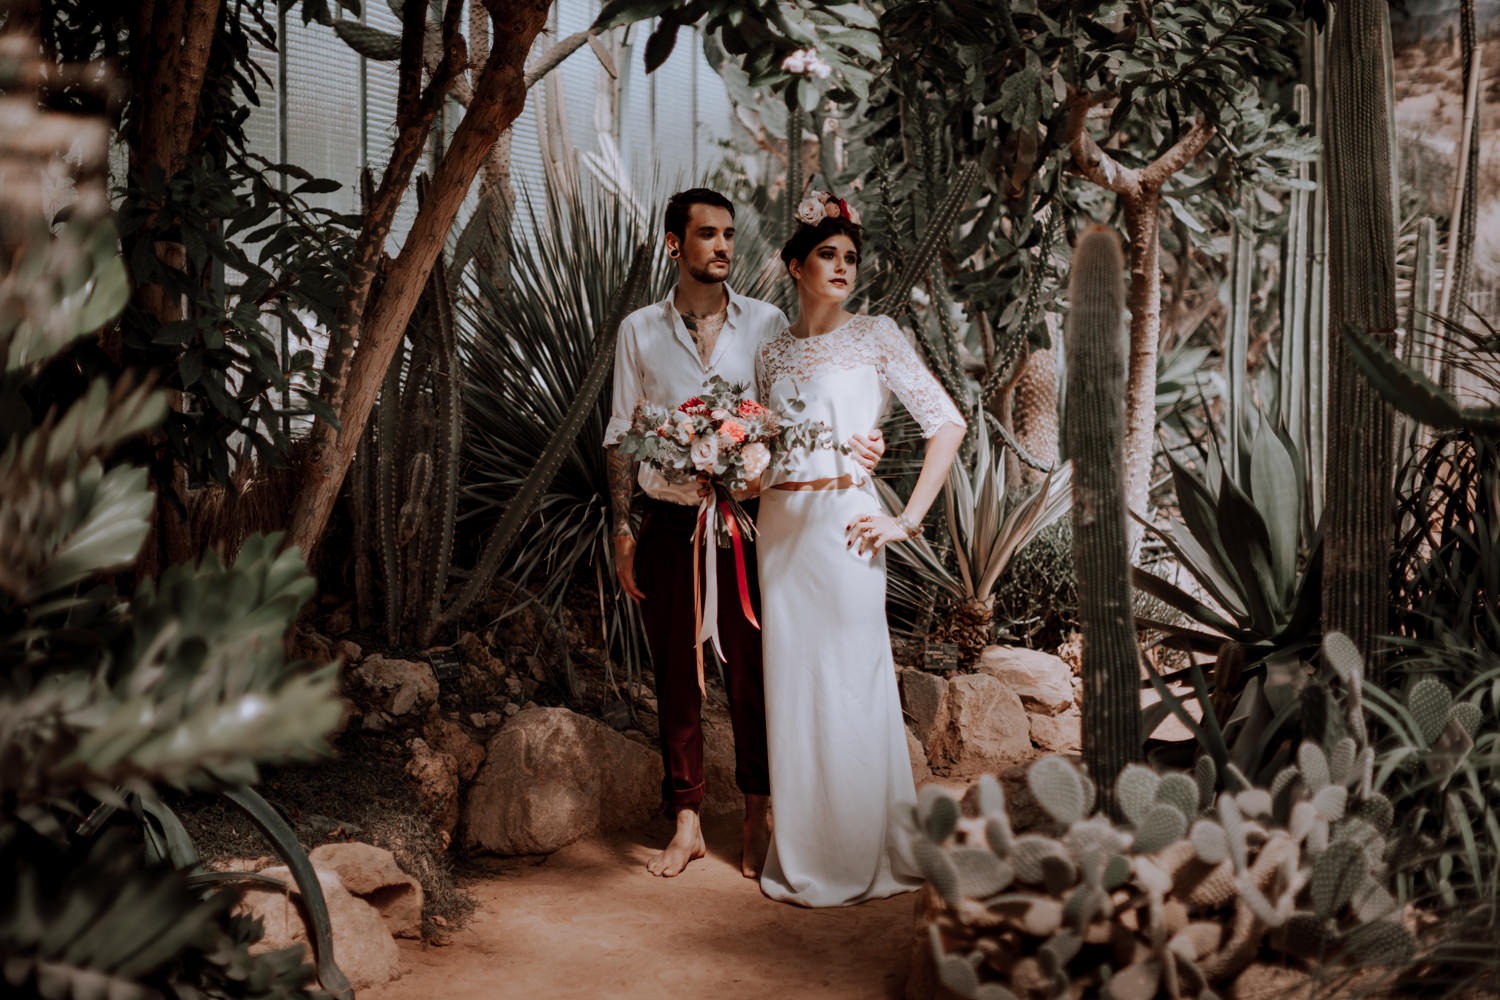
x=807, y=237
x=680, y=206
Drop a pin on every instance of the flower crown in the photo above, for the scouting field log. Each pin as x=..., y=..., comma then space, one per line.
x=820, y=205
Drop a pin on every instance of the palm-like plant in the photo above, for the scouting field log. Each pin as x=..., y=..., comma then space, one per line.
x=105, y=698
x=527, y=349
x=986, y=528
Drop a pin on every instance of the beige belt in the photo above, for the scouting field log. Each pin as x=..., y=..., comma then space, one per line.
x=845, y=482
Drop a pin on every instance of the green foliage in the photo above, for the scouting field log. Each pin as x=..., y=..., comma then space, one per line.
x=1244, y=543
x=1037, y=598
x=261, y=265
x=995, y=84
x=986, y=528
x=106, y=698
x=761, y=34
x=528, y=349
x=1196, y=886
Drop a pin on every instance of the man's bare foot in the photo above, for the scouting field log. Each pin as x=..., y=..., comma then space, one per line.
x=756, y=835
x=686, y=846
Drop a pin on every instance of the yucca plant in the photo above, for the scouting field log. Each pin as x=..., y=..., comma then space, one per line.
x=528, y=349
x=986, y=527
x=106, y=697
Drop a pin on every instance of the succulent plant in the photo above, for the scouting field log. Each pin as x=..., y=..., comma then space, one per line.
x=1175, y=901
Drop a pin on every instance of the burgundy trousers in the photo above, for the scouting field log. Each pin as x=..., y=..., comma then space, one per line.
x=664, y=572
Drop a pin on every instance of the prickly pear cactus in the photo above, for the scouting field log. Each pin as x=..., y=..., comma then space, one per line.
x=1173, y=902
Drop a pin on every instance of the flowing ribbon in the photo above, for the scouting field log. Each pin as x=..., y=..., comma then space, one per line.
x=706, y=593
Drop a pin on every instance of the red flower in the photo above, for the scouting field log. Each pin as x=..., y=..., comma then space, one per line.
x=694, y=405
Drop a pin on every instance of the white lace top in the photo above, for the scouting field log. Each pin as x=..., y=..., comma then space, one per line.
x=844, y=378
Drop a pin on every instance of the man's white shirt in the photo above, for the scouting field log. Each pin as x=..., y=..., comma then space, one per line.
x=656, y=361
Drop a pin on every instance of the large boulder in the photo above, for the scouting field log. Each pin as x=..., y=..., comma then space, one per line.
x=399, y=686
x=371, y=873
x=922, y=696
x=436, y=776
x=920, y=769
x=362, y=944
x=551, y=776
x=982, y=727
x=1061, y=733
x=1044, y=681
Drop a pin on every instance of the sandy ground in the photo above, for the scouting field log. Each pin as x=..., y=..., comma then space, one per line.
x=589, y=922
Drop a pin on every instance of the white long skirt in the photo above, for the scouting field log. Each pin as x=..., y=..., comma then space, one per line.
x=833, y=715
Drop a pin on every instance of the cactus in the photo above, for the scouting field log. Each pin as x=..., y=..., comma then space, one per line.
x=405, y=482
x=1191, y=905
x=1095, y=428
x=794, y=181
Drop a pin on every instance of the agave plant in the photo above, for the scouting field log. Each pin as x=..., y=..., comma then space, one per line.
x=104, y=697
x=986, y=529
x=528, y=350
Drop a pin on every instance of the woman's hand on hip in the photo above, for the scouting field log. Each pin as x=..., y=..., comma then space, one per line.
x=867, y=533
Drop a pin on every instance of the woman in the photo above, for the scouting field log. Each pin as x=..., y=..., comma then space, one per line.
x=837, y=742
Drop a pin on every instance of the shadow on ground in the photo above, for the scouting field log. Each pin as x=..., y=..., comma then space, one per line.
x=589, y=922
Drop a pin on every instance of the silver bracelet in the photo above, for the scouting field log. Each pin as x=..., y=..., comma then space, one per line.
x=912, y=530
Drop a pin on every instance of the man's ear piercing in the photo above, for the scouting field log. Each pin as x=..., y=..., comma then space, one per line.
x=672, y=252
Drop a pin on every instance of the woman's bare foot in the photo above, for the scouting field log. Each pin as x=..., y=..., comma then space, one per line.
x=756, y=835
x=686, y=846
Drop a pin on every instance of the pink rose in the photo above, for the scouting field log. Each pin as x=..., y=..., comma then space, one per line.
x=732, y=430
x=705, y=453
x=756, y=457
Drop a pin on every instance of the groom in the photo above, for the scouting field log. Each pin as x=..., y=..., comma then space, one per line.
x=667, y=353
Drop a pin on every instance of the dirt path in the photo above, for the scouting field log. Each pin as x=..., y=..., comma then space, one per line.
x=588, y=923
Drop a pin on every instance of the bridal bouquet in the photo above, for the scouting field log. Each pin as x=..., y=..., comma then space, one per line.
x=724, y=440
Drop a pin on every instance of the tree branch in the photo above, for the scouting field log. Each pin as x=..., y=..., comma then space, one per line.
x=1183, y=152
x=555, y=56
x=1092, y=161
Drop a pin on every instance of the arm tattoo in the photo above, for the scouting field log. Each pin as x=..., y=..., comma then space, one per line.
x=621, y=489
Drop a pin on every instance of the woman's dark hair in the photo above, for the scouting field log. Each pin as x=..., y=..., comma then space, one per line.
x=807, y=237
x=680, y=206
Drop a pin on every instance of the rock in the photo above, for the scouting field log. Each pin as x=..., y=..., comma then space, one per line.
x=982, y=726
x=350, y=652
x=511, y=708
x=922, y=700
x=401, y=685
x=477, y=652
x=447, y=736
x=371, y=873
x=920, y=769
x=551, y=776
x=339, y=622
x=436, y=775
x=362, y=944
x=1061, y=733
x=1044, y=681
x=513, y=686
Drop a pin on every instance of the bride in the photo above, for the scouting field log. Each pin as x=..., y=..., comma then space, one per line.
x=837, y=742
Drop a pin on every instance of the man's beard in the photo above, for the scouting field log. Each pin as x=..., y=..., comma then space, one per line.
x=702, y=274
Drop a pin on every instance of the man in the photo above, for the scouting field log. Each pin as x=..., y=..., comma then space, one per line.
x=666, y=353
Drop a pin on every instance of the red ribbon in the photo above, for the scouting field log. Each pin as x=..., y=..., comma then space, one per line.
x=741, y=577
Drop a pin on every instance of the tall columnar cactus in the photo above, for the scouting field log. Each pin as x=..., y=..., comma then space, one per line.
x=1095, y=428
x=1362, y=277
x=406, y=475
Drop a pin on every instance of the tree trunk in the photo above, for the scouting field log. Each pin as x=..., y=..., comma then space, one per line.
x=169, y=61
x=1362, y=276
x=499, y=95
x=1141, y=192
x=1143, y=226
